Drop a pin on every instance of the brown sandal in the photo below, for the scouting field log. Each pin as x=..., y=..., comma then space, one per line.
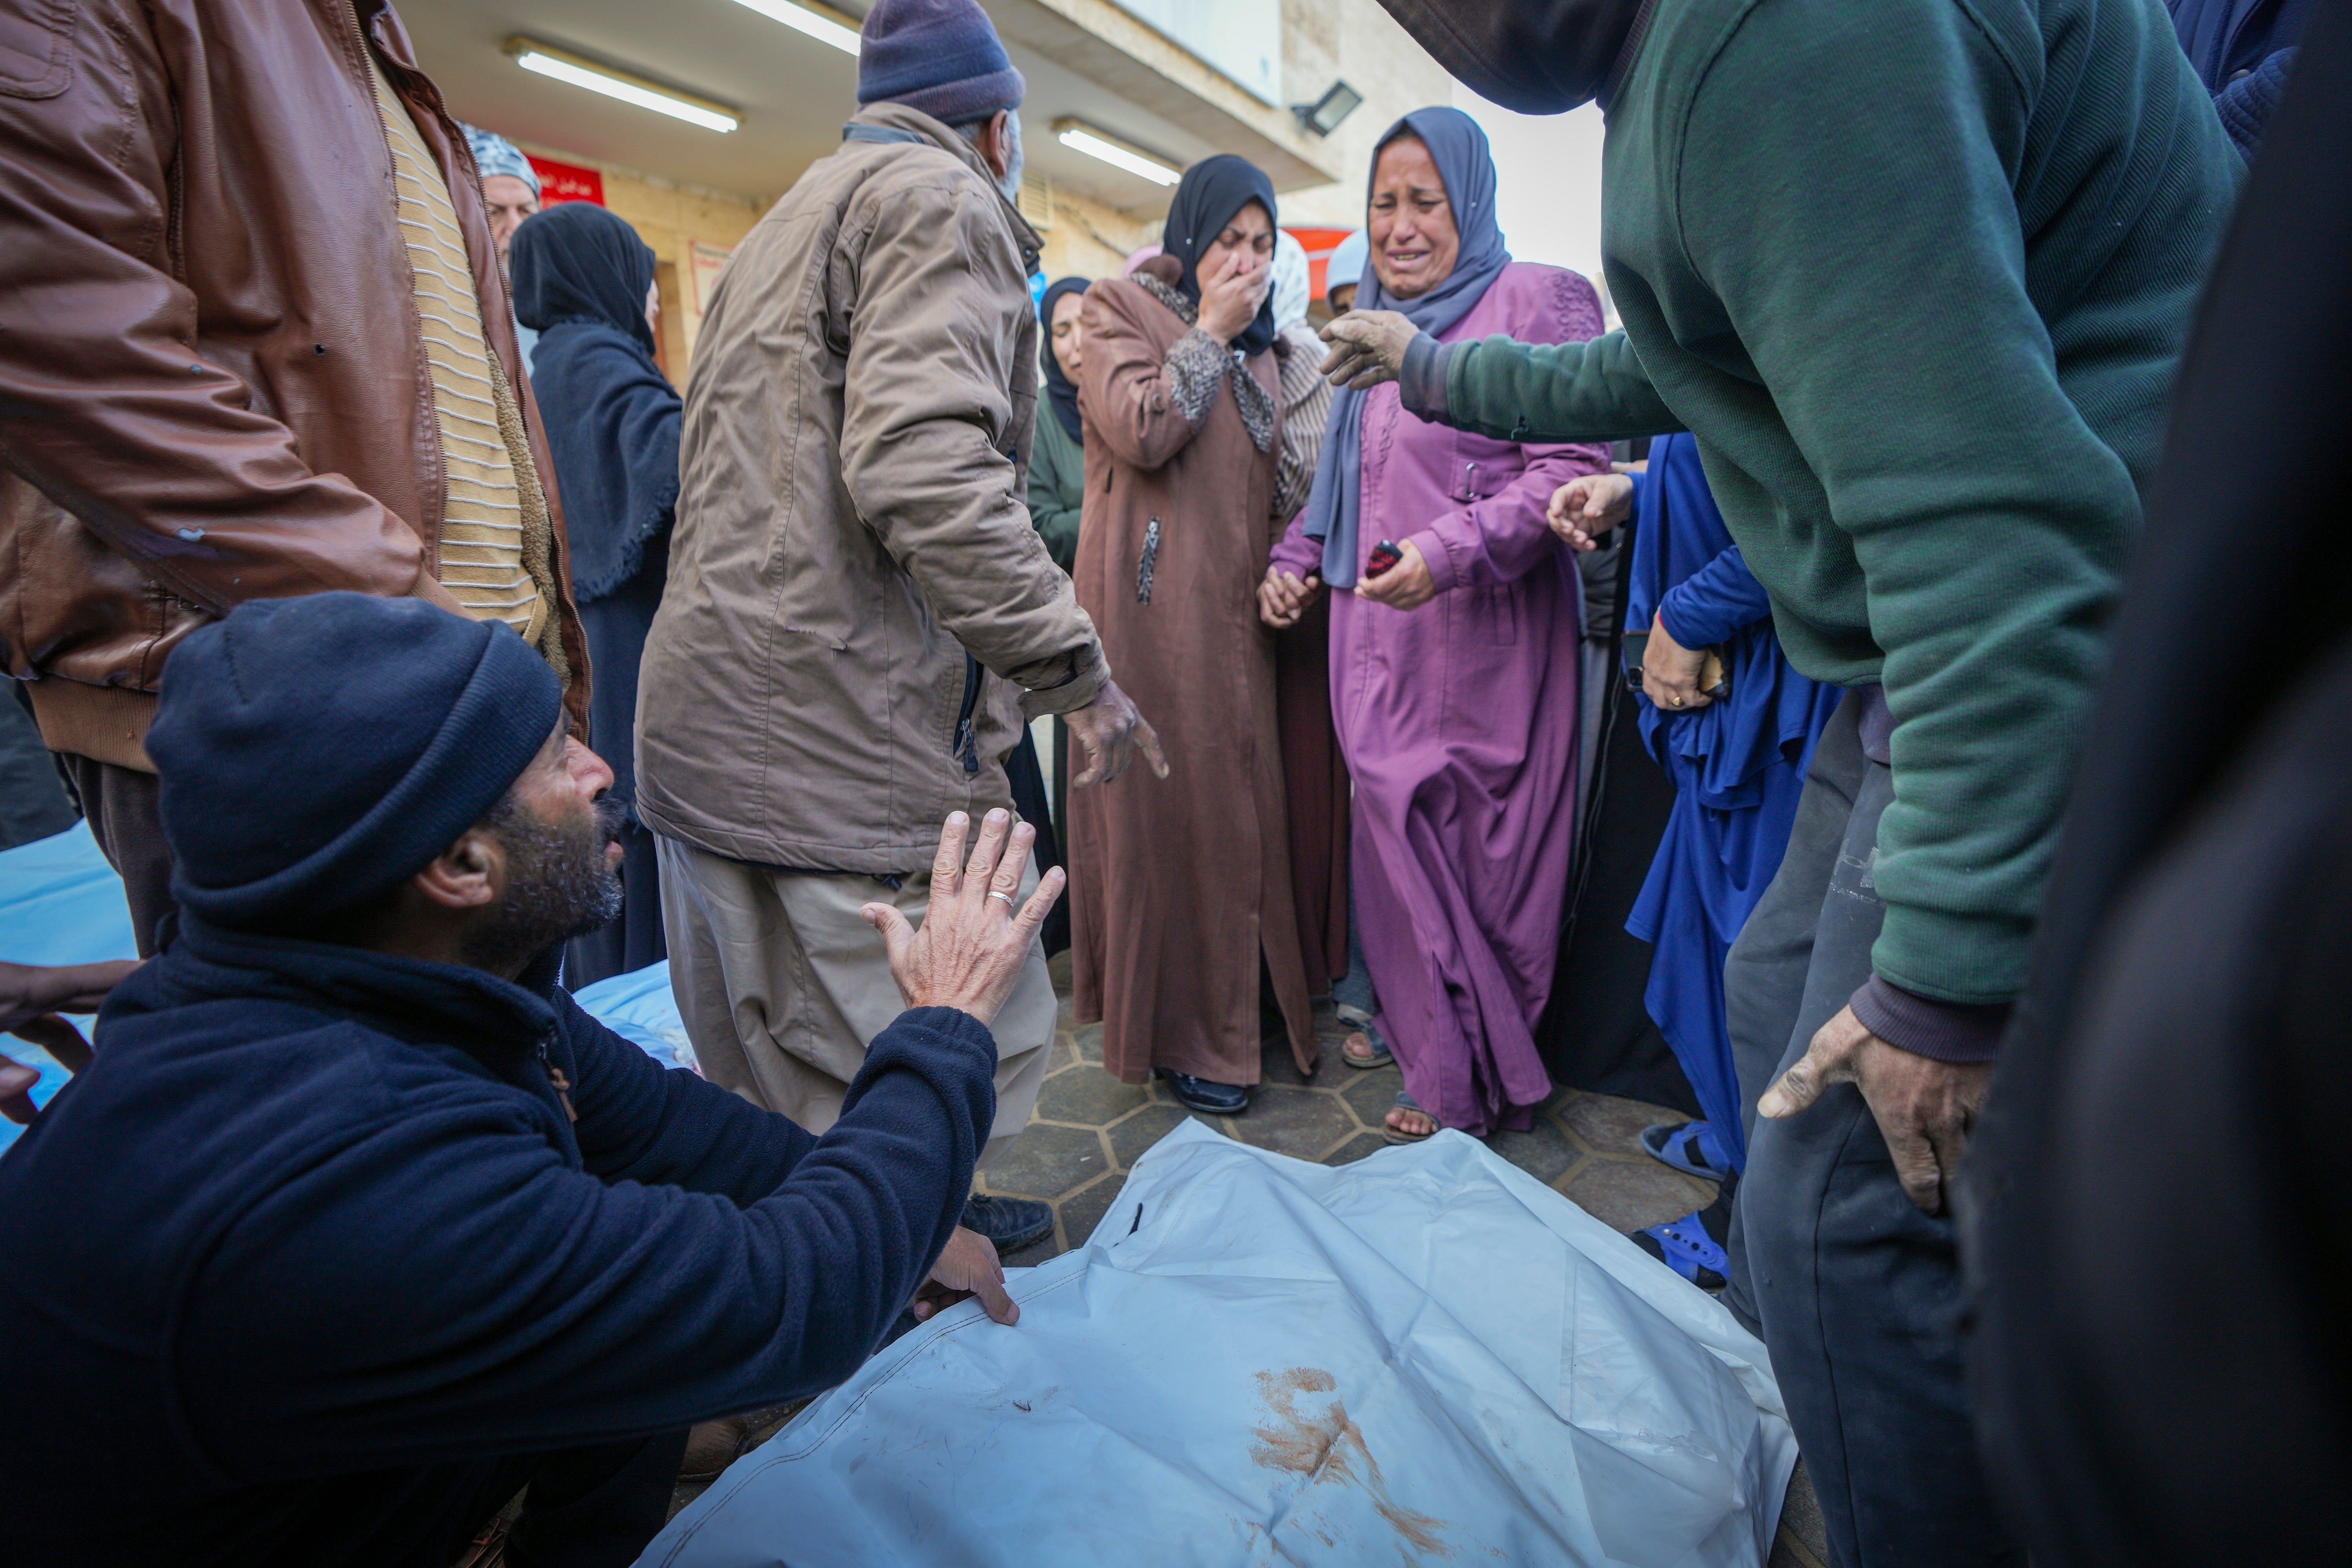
x=1394, y=1135
x=1357, y=1051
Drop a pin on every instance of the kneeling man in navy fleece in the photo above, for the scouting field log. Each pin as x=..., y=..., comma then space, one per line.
x=358, y=1223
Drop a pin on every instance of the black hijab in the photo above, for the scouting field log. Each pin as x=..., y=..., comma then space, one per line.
x=581, y=264
x=1058, y=384
x=1539, y=57
x=612, y=418
x=1212, y=190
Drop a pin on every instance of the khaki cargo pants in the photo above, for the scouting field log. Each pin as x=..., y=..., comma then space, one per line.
x=782, y=985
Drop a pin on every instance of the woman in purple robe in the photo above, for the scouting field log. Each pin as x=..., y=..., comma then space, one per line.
x=1453, y=672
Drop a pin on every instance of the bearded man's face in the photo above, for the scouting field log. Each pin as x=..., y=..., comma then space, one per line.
x=562, y=880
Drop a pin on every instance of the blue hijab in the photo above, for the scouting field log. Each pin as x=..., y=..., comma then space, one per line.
x=612, y=418
x=1458, y=148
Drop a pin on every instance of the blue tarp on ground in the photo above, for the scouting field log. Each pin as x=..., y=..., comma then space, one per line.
x=60, y=902
x=1426, y=1356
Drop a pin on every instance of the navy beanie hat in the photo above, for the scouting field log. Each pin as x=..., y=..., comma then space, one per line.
x=314, y=753
x=941, y=56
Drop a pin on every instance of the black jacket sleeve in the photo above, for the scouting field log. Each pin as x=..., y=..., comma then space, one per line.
x=491, y=1299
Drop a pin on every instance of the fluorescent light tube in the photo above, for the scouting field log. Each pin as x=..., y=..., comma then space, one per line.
x=562, y=66
x=823, y=28
x=1084, y=139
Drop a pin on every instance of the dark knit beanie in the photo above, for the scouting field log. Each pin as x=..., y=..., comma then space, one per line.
x=941, y=56
x=314, y=753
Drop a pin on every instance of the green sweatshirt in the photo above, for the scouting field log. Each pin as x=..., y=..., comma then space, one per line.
x=1915, y=274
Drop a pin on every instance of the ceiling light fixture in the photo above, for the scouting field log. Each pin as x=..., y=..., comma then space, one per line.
x=562, y=65
x=824, y=24
x=1080, y=137
x=1323, y=116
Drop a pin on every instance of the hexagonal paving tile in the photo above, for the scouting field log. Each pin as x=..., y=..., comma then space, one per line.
x=1543, y=1152
x=1087, y=1094
x=1131, y=1137
x=1086, y=1039
x=1610, y=1125
x=1626, y=1195
x=1370, y=1093
x=1299, y=1121
x=1356, y=1148
x=1046, y=1162
x=1081, y=1211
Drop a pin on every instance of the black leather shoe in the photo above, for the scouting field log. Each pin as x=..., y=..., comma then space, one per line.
x=1209, y=1098
x=1011, y=1222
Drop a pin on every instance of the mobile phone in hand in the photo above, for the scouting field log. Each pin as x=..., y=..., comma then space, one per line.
x=1385, y=554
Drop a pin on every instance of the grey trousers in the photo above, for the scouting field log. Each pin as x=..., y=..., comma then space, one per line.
x=1858, y=1291
x=782, y=985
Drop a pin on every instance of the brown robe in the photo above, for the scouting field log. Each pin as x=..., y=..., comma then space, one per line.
x=1315, y=775
x=1181, y=886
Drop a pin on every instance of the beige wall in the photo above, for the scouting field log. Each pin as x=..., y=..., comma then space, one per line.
x=1357, y=42
x=1082, y=237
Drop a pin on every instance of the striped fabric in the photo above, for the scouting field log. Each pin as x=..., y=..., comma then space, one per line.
x=483, y=564
x=1305, y=409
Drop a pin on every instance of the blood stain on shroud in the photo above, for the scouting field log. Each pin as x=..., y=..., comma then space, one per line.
x=1326, y=1446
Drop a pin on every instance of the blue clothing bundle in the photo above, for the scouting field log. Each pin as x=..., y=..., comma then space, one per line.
x=314, y=1244
x=2242, y=50
x=1738, y=765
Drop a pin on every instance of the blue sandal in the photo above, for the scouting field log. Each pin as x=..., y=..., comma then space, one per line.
x=1677, y=1144
x=1684, y=1246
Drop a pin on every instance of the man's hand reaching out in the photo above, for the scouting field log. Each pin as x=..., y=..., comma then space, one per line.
x=974, y=940
x=1111, y=730
x=1367, y=348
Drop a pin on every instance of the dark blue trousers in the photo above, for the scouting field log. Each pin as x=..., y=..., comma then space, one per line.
x=1858, y=1292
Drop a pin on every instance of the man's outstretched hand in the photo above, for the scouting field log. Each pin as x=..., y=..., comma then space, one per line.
x=32, y=995
x=1925, y=1108
x=1367, y=348
x=973, y=942
x=1111, y=730
x=29, y=990
x=967, y=1268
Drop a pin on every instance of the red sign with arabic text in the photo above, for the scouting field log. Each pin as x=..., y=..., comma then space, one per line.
x=566, y=182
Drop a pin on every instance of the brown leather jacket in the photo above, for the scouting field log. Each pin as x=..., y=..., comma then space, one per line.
x=213, y=384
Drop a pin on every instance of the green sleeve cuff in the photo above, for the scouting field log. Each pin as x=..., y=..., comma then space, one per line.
x=1975, y=960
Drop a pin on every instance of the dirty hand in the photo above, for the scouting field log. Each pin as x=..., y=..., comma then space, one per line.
x=1110, y=729
x=1282, y=598
x=1407, y=585
x=1231, y=294
x=1924, y=1107
x=1367, y=348
x=1670, y=671
x=967, y=1268
x=972, y=944
x=1590, y=505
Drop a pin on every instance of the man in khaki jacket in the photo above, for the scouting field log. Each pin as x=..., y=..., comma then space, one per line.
x=860, y=616
x=254, y=344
